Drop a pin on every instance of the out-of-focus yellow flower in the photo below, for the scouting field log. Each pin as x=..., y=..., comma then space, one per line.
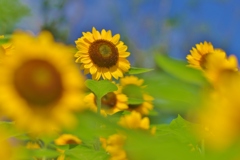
x=67, y=139
x=62, y=155
x=33, y=145
x=220, y=115
x=134, y=121
x=217, y=63
x=102, y=55
x=112, y=102
x=114, y=146
x=8, y=150
x=133, y=87
x=197, y=56
x=41, y=83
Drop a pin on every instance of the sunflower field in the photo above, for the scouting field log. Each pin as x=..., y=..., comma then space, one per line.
x=88, y=101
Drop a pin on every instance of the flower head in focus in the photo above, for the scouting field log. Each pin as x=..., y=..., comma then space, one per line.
x=102, y=55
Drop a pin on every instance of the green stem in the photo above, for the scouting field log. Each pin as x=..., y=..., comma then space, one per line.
x=99, y=104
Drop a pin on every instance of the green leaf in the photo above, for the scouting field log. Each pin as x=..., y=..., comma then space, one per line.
x=172, y=94
x=135, y=101
x=134, y=94
x=83, y=152
x=135, y=70
x=180, y=70
x=143, y=146
x=5, y=39
x=40, y=153
x=10, y=17
x=100, y=88
x=183, y=130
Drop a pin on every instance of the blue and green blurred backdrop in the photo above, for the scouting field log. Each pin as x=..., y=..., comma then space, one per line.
x=170, y=27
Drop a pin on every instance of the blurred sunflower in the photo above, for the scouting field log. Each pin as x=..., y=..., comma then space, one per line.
x=67, y=139
x=41, y=83
x=114, y=146
x=217, y=63
x=219, y=115
x=197, y=56
x=135, y=121
x=33, y=145
x=133, y=88
x=112, y=102
x=102, y=55
x=8, y=150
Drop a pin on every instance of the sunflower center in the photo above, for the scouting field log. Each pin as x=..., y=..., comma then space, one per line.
x=109, y=100
x=103, y=53
x=203, y=61
x=38, y=82
x=71, y=141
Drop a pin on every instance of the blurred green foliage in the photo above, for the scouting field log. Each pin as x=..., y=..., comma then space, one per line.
x=57, y=24
x=11, y=11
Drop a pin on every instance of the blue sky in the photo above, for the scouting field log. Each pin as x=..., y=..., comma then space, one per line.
x=172, y=25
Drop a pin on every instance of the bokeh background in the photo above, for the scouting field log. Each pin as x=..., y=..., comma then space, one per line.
x=170, y=27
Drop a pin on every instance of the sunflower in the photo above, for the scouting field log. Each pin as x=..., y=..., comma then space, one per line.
x=67, y=139
x=218, y=63
x=112, y=102
x=41, y=83
x=197, y=58
x=219, y=114
x=114, y=145
x=7, y=150
x=135, y=121
x=133, y=87
x=102, y=55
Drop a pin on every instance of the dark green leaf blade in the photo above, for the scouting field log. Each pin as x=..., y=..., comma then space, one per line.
x=180, y=70
x=135, y=70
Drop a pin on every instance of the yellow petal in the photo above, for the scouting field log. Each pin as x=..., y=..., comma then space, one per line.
x=85, y=60
x=113, y=72
x=107, y=74
x=145, y=123
x=88, y=37
x=88, y=65
x=104, y=34
x=116, y=38
x=124, y=54
x=96, y=34
x=124, y=64
x=93, y=69
x=122, y=48
x=109, y=35
x=122, y=97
